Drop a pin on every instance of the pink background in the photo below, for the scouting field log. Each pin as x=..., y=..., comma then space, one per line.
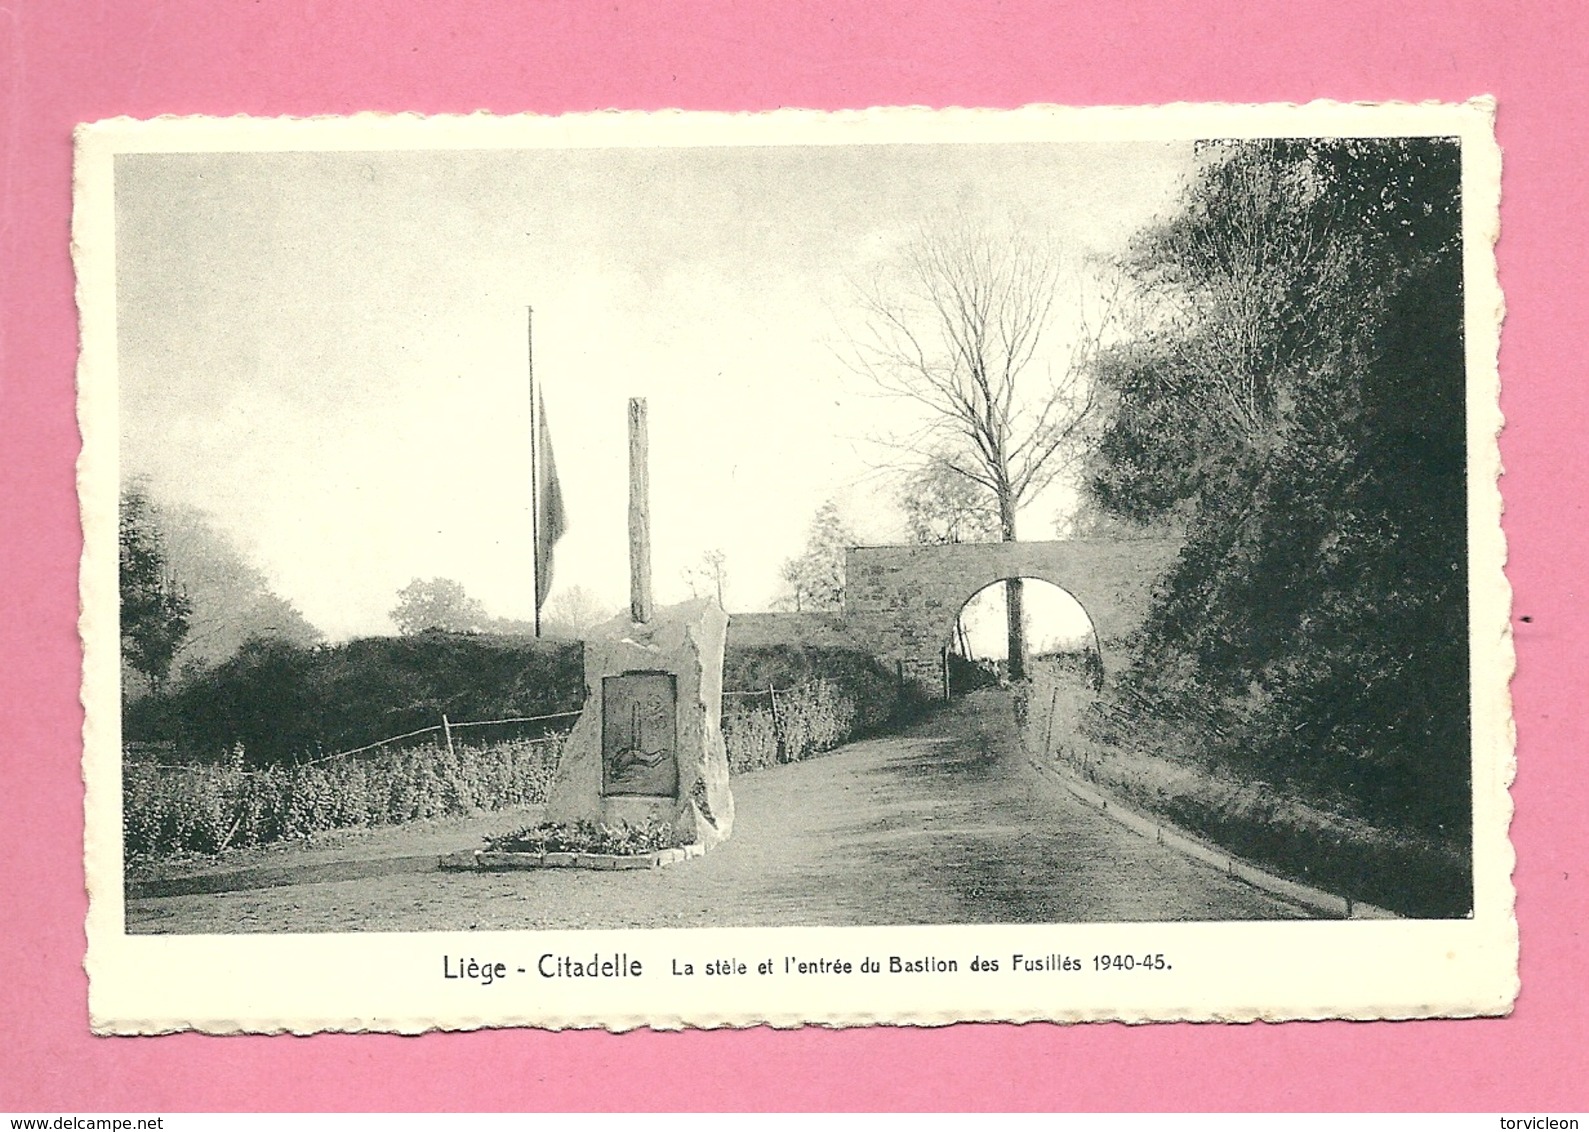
x=68, y=61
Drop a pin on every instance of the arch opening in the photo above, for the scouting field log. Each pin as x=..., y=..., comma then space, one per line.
x=1062, y=645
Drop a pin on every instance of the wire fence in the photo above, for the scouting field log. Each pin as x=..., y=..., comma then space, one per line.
x=445, y=728
x=769, y=692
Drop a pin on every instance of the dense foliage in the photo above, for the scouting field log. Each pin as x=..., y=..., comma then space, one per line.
x=207, y=808
x=785, y=727
x=245, y=729
x=1294, y=401
x=283, y=703
x=871, y=688
x=232, y=599
x=1283, y=827
x=825, y=697
x=156, y=612
x=437, y=603
x=942, y=506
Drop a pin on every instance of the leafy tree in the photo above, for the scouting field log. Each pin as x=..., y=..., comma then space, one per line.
x=963, y=331
x=232, y=600
x=572, y=612
x=943, y=506
x=439, y=603
x=155, y=610
x=1293, y=400
x=815, y=579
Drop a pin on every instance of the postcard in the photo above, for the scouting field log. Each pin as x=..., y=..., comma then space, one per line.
x=898, y=566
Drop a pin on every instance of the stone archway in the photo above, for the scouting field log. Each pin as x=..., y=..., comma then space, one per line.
x=1056, y=625
x=900, y=601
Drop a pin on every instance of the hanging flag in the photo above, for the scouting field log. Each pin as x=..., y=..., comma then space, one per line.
x=551, y=518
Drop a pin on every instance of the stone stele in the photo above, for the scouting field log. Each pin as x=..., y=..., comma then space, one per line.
x=649, y=742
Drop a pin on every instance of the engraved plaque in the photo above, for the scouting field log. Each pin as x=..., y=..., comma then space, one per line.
x=639, y=734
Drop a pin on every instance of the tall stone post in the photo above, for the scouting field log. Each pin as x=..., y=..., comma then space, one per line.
x=639, y=515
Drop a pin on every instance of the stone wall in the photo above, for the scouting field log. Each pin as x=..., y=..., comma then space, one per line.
x=901, y=602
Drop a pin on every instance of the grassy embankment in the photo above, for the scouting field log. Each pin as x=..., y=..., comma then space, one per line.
x=1316, y=840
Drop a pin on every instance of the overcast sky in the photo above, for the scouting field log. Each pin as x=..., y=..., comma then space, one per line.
x=325, y=352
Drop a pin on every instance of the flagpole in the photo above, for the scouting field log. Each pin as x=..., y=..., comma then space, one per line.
x=535, y=490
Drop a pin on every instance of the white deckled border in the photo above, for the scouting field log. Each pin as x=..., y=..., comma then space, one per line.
x=386, y=981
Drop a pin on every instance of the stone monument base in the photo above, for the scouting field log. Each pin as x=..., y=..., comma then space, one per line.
x=648, y=746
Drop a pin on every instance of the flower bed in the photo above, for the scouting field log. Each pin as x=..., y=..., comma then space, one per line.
x=579, y=845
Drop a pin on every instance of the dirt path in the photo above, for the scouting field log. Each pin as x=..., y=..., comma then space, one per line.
x=933, y=827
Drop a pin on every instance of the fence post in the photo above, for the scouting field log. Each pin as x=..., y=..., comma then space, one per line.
x=777, y=725
x=1048, y=734
x=446, y=730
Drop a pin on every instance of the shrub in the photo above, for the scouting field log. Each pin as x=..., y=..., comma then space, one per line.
x=810, y=719
x=873, y=691
x=750, y=738
x=283, y=702
x=210, y=808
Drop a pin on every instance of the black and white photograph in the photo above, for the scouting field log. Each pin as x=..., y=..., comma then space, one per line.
x=1058, y=550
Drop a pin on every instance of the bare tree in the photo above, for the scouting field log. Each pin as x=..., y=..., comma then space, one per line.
x=964, y=330
x=710, y=577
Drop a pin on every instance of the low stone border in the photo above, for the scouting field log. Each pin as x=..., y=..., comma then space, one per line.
x=488, y=860
x=1188, y=845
